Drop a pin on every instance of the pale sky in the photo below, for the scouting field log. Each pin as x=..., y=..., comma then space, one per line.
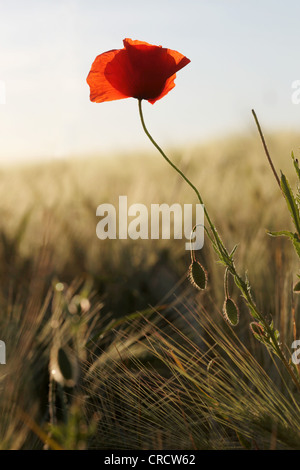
x=244, y=55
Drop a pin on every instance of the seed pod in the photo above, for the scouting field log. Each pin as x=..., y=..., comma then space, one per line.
x=63, y=366
x=297, y=287
x=260, y=334
x=231, y=312
x=258, y=331
x=197, y=275
x=243, y=441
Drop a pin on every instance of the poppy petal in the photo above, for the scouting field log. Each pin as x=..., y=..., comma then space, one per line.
x=139, y=70
x=180, y=60
x=139, y=44
x=100, y=88
x=169, y=85
x=152, y=66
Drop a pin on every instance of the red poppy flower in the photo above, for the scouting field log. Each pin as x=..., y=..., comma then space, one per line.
x=139, y=70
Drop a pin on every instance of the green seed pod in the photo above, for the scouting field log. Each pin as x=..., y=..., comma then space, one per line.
x=297, y=287
x=63, y=366
x=197, y=275
x=231, y=312
x=243, y=441
x=258, y=331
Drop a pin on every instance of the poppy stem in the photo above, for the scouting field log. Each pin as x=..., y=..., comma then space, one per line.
x=218, y=244
x=174, y=166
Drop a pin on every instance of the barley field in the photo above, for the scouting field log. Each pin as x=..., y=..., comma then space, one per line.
x=108, y=345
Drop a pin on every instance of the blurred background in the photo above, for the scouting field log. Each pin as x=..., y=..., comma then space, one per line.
x=243, y=56
x=63, y=289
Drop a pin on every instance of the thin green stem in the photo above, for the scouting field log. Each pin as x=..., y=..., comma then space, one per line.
x=226, y=283
x=172, y=164
x=266, y=148
x=218, y=240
